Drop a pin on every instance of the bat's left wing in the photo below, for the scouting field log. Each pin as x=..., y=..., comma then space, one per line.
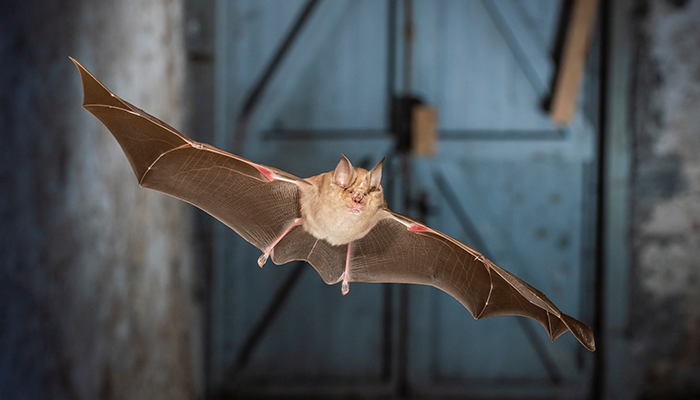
x=256, y=201
x=401, y=250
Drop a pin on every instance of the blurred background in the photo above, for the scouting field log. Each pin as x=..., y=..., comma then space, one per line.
x=560, y=138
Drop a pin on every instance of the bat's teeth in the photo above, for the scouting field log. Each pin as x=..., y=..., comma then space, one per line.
x=262, y=259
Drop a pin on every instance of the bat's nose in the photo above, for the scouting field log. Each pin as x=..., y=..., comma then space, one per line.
x=358, y=195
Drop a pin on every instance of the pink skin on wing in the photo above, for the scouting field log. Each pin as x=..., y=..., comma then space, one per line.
x=268, y=174
x=418, y=228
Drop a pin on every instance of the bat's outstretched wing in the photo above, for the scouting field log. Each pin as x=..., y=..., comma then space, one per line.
x=256, y=201
x=401, y=250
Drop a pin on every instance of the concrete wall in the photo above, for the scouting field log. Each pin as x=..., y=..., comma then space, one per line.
x=664, y=330
x=96, y=274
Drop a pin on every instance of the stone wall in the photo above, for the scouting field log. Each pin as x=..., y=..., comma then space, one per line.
x=96, y=297
x=665, y=305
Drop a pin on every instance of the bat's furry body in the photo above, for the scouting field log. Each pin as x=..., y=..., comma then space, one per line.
x=338, y=214
x=337, y=221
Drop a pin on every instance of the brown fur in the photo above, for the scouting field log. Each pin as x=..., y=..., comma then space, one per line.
x=341, y=215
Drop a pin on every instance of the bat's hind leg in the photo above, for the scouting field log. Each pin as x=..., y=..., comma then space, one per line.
x=345, y=287
x=266, y=254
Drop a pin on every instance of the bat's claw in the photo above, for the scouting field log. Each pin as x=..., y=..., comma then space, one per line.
x=345, y=287
x=262, y=259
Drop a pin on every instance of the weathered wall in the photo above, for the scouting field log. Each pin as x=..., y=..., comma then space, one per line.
x=96, y=292
x=665, y=311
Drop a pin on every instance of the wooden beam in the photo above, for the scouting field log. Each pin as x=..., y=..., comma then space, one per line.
x=617, y=168
x=568, y=81
x=423, y=130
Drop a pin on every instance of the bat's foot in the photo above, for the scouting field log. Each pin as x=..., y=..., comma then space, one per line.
x=266, y=254
x=263, y=259
x=345, y=288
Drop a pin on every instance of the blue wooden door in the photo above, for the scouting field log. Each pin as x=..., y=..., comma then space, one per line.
x=504, y=179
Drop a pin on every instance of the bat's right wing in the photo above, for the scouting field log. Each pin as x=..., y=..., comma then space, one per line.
x=256, y=201
x=401, y=250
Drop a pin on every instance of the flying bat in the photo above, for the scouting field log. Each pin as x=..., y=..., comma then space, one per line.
x=337, y=221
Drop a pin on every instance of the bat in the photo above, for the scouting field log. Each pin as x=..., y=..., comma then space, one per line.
x=337, y=221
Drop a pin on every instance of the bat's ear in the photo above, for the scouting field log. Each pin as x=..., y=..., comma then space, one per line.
x=344, y=171
x=375, y=175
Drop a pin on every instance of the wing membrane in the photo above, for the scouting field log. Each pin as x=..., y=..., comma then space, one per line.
x=230, y=188
x=393, y=253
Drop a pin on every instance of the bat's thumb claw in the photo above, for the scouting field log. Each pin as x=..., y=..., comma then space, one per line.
x=345, y=287
x=262, y=259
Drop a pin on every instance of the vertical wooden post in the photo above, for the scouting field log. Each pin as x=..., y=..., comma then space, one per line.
x=568, y=80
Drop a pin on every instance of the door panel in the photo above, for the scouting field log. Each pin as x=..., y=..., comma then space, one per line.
x=505, y=180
